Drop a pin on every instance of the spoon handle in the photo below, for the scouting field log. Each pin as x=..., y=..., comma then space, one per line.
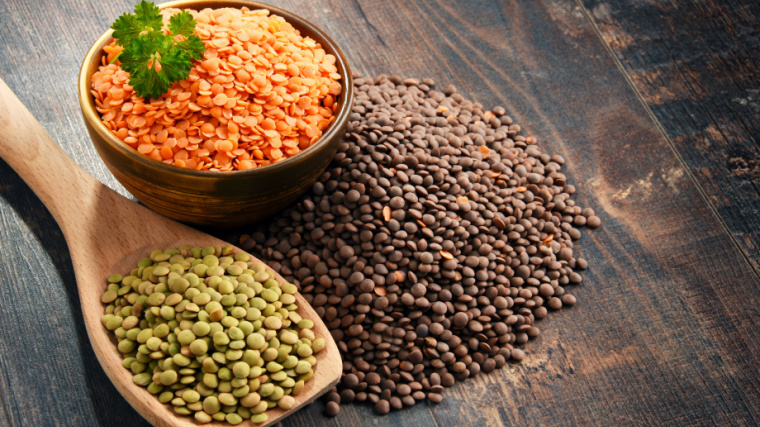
x=62, y=185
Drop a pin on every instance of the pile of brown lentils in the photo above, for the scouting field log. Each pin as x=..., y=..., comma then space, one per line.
x=431, y=245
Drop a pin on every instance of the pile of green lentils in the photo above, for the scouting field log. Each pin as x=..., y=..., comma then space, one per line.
x=212, y=333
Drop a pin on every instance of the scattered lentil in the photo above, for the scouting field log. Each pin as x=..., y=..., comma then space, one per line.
x=431, y=246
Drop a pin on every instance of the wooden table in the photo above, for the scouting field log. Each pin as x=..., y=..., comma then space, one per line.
x=655, y=105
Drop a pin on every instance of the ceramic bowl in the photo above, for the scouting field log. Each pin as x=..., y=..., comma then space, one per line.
x=211, y=198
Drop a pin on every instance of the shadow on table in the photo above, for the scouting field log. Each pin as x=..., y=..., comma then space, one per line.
x=104, y=402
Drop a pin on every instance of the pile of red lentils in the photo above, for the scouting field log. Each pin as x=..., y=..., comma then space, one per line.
x=262, y=93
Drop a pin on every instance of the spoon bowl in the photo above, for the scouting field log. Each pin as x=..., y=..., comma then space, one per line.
x=107, y=233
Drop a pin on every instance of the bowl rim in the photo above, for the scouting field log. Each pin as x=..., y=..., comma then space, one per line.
x=87, y=103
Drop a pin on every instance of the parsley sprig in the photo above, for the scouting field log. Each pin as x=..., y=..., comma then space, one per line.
x=153, y=57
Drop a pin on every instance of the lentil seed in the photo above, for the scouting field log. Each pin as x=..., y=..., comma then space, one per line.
x=206, y=350
x=249, y=102
x=432, y=243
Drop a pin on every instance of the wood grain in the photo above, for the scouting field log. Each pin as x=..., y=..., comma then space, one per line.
x=4, y=421
x=46, y=354
x=657, y=264
x=696, y=66
x=107, y=233
x=75, y=25
x=665, y=328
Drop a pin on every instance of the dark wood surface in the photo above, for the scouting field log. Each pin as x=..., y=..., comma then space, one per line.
x=655, y=108
x=697, y=67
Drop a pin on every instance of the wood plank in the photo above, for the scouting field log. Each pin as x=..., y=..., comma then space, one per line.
x=4, y=421
x=48, y=372
x=51, y=377
x=359, y=415
x=696, y=66
x=48, y=369
x=657, y=334
x=650, y=339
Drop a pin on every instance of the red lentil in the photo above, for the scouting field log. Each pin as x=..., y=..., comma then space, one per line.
x=261, y=93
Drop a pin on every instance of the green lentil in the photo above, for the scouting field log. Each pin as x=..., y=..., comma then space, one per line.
x=145, y=335
x=209, y=365
x=211, y=332
x=318, y=344
x=165, y=397
x=290, y=362
x=137, y=367
x=259, y=418
x=279, y=376
x=312, y=360
x=241, y=391
x=201, y=329
x=224, y=387
x=286, y=402
x=181, y=360
x=127, y=362
x=181, y=410
x=191, y=396
x=307, y=376
x=250, y=400
x=161, y=330
x=195, y=406
x=186, y=337
x=297, y=388
x=234, y=418
x=255, y=341
x=153, y=343
x=232, y=354
x=130, y=322
x=221, y=338
x=259, y=408
x=143, y=379
x=304, y=350
x=273, y=322
x=202, y=418
x=241, y=369
x=225, y=373
x=114, y=322
x=202, y=298
x=211, y=381
x=168, y=377
x=227, y=399
x=204, y=391
x=211, y=405
x=198, y=347
x=237, y=345
x=239, y=382
x=219, y=358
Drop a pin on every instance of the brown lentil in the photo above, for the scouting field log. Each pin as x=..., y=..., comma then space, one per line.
x=431, y=245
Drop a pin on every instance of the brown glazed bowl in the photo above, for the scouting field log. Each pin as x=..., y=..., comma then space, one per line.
x=211, y=198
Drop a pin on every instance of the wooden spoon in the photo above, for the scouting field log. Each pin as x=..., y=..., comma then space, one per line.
x=107, y=233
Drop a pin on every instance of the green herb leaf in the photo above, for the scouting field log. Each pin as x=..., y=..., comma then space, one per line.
x=193, y=47
x=182, y=23
x=176, y=64
x=147, y=17
x=139, y=60
x=154, y=58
